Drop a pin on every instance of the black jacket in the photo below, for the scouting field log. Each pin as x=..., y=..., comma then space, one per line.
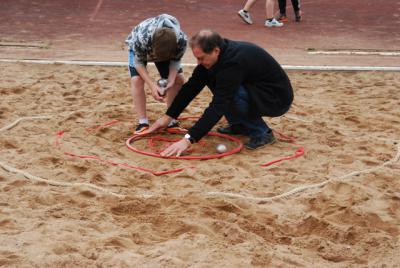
x=239, y=63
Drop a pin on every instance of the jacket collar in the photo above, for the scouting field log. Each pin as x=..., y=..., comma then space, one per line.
x=220, y=56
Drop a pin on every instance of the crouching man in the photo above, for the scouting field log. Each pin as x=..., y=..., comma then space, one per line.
x=247, y=83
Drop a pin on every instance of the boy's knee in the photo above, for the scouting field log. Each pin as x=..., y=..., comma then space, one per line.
x=179, y=80
x=137, y=82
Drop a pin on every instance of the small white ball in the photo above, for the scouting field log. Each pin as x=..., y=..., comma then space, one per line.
x=221, y=148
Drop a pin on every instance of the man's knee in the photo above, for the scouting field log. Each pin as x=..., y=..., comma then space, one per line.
x=241, y=105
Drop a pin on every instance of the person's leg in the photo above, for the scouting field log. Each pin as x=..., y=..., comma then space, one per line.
x=244, y=13
x=282, y=7
x=295, y=4
x=296, y=8
x=163, y=70
x=248, y=5
x=138, y=95
x=173, y=91
x=269, y=10
x=253, y=126
x=282, y=11
x=242, y=120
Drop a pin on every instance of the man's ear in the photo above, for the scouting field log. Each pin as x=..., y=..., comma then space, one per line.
x=217, y=50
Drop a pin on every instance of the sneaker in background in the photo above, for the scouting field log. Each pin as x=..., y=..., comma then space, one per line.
x=245, y=15
x=273, y=23
x=283, y=18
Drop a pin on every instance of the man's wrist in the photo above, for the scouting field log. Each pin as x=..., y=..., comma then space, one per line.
x=189, y=138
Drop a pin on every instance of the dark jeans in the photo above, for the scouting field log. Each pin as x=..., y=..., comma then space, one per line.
x=254, y=126
x=282, y=6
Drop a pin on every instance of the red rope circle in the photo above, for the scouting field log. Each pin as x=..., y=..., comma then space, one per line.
x=187, y=157
x=299, y=151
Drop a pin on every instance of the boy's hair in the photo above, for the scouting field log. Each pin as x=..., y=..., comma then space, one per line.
x=165, y=44
x=207, y=40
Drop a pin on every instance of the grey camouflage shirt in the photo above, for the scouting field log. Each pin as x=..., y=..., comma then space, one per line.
x=140, y=39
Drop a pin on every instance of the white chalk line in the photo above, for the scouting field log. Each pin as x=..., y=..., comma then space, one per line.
x=286, y=67
x=50, y=182
x=351, y=52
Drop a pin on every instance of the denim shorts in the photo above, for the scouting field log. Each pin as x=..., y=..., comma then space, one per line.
x=162, y=67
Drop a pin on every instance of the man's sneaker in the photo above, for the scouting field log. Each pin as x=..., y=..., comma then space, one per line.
x=245, y=16
x=257, y=142
x=273, y=23
x=141, y=128
x=283, y=18
x=232, y=130
x=298, y=15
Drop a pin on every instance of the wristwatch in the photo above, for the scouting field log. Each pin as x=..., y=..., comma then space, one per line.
x=189, y=138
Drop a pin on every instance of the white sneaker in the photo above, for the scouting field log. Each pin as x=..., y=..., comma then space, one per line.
x=245, y=16
x=273, y=23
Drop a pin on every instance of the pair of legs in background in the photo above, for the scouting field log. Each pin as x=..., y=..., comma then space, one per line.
x=269, y=9
x=282, y=10
x=139, y=94
x=242, y=121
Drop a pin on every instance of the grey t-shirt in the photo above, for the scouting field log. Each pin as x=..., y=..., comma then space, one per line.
x=140, y=39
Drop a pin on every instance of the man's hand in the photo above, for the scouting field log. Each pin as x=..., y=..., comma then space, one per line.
x=176, y=148
x=160, y=124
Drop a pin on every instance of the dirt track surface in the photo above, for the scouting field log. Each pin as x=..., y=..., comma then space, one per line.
x=96, y=29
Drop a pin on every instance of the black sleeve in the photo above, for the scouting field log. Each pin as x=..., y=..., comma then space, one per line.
x=228, y=81
x=188, y=92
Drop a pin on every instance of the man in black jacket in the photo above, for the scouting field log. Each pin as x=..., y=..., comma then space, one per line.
x=246, y=82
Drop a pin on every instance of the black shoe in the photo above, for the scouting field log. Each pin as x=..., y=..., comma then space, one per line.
x=141, y=128
x=257, y=142
x=232, y=130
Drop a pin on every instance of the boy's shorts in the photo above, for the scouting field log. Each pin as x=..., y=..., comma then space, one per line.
x=162, y=67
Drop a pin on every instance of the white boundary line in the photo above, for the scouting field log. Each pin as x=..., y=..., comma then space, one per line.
x=287, y=67
x=350, y=52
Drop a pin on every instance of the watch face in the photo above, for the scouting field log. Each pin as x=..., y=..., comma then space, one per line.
x=188, y=137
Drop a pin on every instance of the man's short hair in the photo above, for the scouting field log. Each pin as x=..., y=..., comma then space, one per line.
x=165, y=44
x=207, y=40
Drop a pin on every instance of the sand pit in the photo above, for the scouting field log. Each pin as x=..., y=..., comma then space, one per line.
x=338, y=205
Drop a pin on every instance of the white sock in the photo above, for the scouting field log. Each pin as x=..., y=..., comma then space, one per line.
x=144, y=121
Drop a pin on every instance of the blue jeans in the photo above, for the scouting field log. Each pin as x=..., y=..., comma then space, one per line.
x=253, y=126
